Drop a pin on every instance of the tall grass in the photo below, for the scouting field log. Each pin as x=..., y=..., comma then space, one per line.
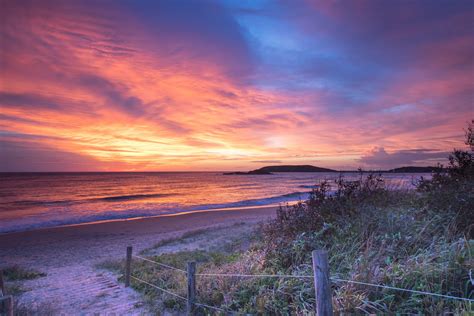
x=373, y=235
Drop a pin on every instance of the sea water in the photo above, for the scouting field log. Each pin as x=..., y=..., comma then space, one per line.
x=36, y=200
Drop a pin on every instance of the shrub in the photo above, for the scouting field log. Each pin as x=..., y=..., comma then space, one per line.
x=452, y=190
x=17, y=273
x=418, y=240
x=317, y=217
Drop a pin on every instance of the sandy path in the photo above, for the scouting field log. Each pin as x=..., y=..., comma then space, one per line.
x=73, y=286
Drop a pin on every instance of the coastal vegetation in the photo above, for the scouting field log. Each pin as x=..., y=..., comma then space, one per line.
x=412, y=239
x=18, y=273
x=14, y=277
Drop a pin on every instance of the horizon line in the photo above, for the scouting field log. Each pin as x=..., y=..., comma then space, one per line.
x=219, y=171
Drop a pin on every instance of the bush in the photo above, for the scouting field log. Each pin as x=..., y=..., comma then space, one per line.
x=452, y=190
x=320, y=214
x=419, y=240
x=17, y=273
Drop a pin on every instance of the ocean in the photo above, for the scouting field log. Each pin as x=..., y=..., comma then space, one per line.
x=38, y=200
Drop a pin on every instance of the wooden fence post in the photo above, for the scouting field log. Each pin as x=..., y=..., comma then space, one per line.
x=7, y=302
x=2, y=284
x=9, y=305
x=322, y=284
x=191, y=269
x=128, y=266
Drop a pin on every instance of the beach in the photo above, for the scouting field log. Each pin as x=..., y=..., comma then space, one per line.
x=69, y=254
x=65, y=224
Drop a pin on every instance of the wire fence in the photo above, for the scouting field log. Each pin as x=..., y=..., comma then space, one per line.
x=159, y=263
x=168, y=291
x=254, y=275
x=311, y=277
x=159, y=288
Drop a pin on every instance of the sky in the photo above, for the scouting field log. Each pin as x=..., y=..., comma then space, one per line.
x=130, y=85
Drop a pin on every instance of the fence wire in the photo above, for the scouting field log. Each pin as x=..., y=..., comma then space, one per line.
x=255, y=275
x=159, y=263
x=335, y=280
x=177, y=295
x=212, y=307
x=160, y=288
x=405, y=290
x=287, y=276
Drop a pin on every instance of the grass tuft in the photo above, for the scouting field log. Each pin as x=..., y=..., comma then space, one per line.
x=17, y=273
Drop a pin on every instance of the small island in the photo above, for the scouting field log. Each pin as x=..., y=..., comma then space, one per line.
x=294, y=168
x=268, y=170
x=413, y=169
x=283, y=168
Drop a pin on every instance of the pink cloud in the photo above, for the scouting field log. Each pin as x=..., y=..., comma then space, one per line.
x=118, y=90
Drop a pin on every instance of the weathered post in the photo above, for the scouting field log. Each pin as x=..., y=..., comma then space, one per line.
x=7, y=302
x=2, y=284
x=128, y=266
x=9, y=305
x=322, y=285
x=191, y=269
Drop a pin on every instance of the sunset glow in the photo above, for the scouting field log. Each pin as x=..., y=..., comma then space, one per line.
x=232, y=85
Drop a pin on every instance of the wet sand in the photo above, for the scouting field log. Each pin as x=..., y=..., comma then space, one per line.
x=100, y=237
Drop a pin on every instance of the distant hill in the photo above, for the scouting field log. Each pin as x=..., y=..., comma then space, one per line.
x=287, y=168
x=309, y=168
x=412, y=169
x=294, y=168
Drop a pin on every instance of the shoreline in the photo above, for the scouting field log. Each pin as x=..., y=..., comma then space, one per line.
x=128, y=219
x=24, y=244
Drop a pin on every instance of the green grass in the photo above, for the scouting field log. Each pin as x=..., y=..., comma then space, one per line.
x=216, y=255
x=15, y=289
x=204, y=235
x=172, y=280
x=17, y=273
x=13, y=277
x=395, y=241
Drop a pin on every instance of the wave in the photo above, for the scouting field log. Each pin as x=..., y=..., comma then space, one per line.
x=294, y=196
x=140, y=213
x=105, y=198
x=130, y=197
x=88, y=219
x=308, y=186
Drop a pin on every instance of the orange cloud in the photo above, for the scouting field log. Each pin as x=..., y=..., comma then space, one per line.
x=124, y=94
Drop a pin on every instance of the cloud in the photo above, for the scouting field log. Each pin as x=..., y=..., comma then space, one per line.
x=198, y=31
x=32, y=157
x=192, y=85
x=379, y=158
x=28, y=101
x=111, y=93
